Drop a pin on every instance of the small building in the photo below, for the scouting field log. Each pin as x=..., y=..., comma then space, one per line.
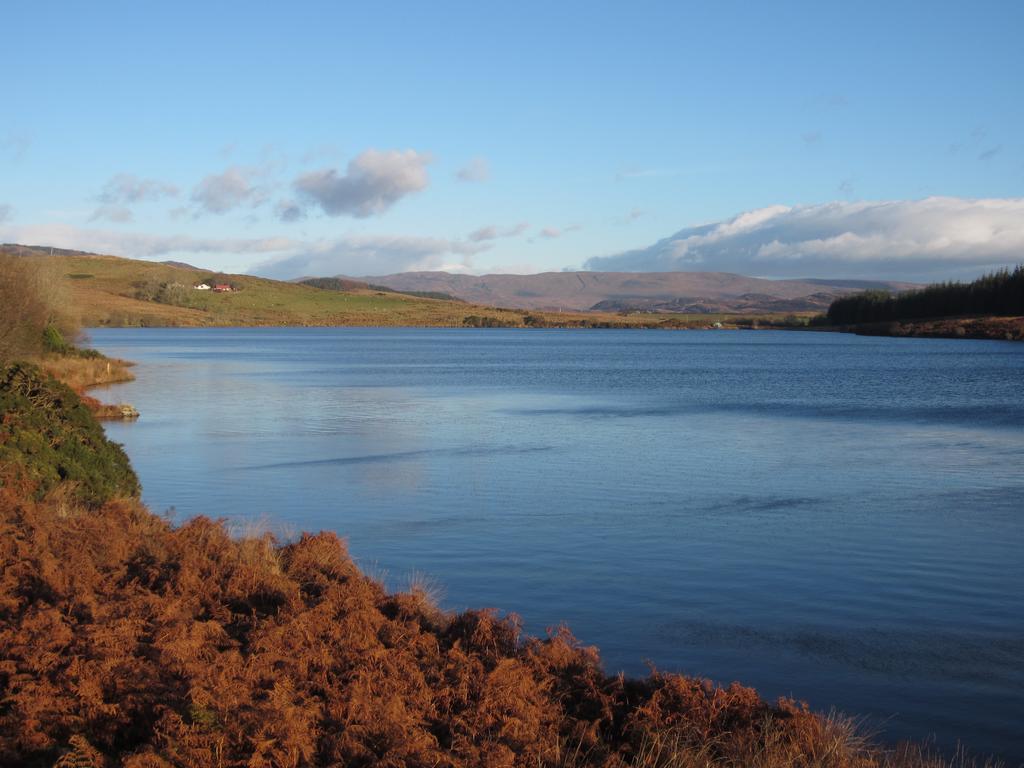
x=222, y=288
x=201, y=287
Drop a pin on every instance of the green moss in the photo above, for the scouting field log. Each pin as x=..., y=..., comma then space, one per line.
x=48, y=437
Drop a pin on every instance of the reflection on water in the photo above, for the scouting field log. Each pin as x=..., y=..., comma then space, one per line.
x=834, y=517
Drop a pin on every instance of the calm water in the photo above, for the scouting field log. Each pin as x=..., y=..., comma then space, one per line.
x=828, y=516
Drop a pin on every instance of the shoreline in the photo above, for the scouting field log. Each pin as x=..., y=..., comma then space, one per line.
x=991, y=328
x=987, y=328
x=87, y=369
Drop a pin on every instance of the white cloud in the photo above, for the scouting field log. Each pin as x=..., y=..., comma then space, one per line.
x=221, y=192
x=550, y=233
x=119, y=214
x=371, y=255
x=125, y=188
x=374, y=180
x=282, y=257
x=5, y=212
x=139, y=245
x=490, y=232
x=906, y=239
x=476, y=169
x=493, y=232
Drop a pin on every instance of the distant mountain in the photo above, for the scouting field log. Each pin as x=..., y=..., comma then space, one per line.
x=634, y=291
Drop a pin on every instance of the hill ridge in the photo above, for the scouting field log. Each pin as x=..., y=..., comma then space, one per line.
x=640, y=291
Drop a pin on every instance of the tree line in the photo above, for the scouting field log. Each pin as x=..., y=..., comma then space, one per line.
x=1000, y=293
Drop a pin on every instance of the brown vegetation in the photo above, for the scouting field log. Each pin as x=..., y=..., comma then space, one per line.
x=128, y=641
x=81, y=372
x=31, y=301
x=995, y=328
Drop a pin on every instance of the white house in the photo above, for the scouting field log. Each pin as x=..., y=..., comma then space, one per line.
x=201, y=287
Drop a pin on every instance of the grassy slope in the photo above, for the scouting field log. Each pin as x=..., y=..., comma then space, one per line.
x=103, y=290
x=106, y=298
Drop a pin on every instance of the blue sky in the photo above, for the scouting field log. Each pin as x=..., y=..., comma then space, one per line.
x=363, y=139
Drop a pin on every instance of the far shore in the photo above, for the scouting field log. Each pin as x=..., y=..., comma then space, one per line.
x=982, y=328
x=989, y=328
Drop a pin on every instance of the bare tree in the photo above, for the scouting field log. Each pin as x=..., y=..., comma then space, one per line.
x=31, y=298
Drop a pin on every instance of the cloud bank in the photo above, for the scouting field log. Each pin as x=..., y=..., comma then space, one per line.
x=371, y=255
x=374, y=180
x=918, y=240
x=138, y=245
x=280, y=257
x=125, y=189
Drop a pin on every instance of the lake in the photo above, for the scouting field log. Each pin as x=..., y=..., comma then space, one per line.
x=827, y=516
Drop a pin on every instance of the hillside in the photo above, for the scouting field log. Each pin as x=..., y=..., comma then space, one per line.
x=113, y=291
x=119, y=292
x=688, y=292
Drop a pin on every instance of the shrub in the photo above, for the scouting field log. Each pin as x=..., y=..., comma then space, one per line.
x=53, y=340
x=486, y=321
x=49, y=438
